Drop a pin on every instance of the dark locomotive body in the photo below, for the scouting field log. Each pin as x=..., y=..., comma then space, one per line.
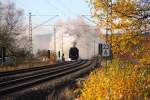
x=74, y=53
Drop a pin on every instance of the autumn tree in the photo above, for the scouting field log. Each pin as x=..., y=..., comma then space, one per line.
x=126, y=21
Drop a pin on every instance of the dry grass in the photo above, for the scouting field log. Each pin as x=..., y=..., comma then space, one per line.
x=22, y=66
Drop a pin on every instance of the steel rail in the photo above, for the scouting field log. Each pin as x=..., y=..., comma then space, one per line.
x=42, y=74
x=33, y=72
x=28, y=82
x=3, y=74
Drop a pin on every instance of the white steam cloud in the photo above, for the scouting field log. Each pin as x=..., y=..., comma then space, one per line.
x=76, y=30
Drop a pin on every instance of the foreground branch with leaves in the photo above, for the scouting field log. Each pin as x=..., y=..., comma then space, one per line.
x=128, y=76
x=127, y=22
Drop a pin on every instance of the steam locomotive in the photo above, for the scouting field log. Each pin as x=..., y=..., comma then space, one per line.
x=74, y=53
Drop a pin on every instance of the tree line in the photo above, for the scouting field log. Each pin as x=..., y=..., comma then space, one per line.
x=12, y=31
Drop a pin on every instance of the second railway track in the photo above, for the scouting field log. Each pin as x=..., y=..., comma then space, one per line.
x=29, y=80
x=11, y=75
x=3, y=74
x=39, y=74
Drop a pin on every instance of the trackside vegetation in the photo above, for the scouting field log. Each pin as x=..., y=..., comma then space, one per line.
x=117, y=82
x=128, y=76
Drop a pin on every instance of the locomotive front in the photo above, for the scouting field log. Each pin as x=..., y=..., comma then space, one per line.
x=74, y=52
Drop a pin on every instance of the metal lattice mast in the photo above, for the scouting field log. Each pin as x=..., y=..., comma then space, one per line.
x=30, y=34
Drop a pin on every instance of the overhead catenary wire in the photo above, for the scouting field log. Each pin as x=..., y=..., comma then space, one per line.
x=85, y=16
x=55, y=7
x=31, y=29
x=45, y=21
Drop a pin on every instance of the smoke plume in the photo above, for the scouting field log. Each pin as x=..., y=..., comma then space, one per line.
x=76, y=30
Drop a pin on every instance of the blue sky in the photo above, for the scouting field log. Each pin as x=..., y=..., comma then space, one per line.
x=64, y=8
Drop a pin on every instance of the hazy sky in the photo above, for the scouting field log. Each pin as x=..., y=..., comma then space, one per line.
x=64, y=8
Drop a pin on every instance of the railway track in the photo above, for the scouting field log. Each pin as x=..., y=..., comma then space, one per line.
x=7, y=76
x=17, y=81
